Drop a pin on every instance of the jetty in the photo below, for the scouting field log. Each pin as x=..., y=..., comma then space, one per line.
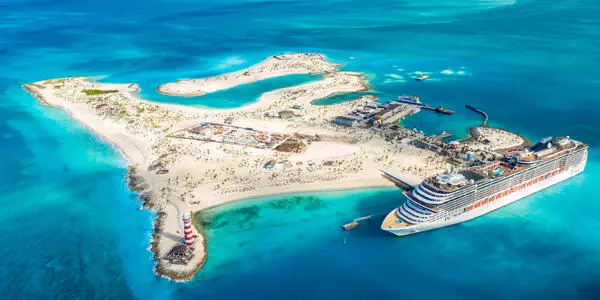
x=413, y=100
x=442, y=135
x=397, y=181
x=355, y=223
x=485, y=116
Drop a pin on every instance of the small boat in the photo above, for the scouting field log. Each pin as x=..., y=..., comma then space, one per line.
x=442, y=110
x=422, y=77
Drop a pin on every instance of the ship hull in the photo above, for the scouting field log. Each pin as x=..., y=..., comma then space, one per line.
x=574, y=170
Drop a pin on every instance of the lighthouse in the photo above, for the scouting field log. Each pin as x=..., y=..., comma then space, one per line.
x=187, y=229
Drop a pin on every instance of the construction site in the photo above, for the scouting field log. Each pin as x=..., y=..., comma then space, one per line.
x=245, y=136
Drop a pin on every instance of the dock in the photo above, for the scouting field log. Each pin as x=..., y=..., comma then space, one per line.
x=477, y=110
x=399, y=114
x=442, y=135
x=397, y=181
x=438, y=109
x=355, y=223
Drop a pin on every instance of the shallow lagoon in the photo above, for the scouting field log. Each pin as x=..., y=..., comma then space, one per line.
x=234, y=97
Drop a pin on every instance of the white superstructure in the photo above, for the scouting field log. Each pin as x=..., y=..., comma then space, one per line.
x=458, y=196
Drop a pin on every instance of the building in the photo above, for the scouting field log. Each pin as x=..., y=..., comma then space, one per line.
x=453, y=145
x=180, y=255
x=347, y=120
x=291, y=145
x=187, y=229
x=362, y=117
x=469, y=156
x=286, y=114
x=424, y=145
x=375, y=113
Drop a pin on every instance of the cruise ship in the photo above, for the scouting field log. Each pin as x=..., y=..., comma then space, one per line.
x=460, y=195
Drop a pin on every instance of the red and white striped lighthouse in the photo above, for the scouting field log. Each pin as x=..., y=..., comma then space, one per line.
x=187, y=229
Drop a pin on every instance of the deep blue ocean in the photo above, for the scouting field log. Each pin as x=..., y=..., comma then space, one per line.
x=70, y=228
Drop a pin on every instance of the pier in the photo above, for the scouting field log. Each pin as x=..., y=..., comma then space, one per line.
x=442, y=135
x=399, y=114
x=440, y=109
x=397, y=181
x=355, y=223
x=477, y=110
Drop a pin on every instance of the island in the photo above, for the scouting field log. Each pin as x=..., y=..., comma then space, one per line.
x=274, y=66
x=186, y=158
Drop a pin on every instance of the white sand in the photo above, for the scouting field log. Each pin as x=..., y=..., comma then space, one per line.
x=325, y=150
x=275, y=66
x=499, y=138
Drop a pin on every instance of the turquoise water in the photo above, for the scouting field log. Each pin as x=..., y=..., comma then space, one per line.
x=69, y=228
x=340, y=98
x=234, y=97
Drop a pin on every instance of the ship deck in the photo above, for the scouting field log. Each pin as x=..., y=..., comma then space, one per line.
x=391, y=221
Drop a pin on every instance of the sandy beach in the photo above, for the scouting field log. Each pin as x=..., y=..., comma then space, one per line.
x=274, y=66
x=175, y=174
x=494, y=139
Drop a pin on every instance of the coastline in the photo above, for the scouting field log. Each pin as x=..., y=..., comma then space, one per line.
x=135, y=183
x=131, y=154
x=500, y=139
x=172, y=175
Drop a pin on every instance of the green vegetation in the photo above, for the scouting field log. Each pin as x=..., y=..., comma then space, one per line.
x=92, y=92
x=55, y=81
